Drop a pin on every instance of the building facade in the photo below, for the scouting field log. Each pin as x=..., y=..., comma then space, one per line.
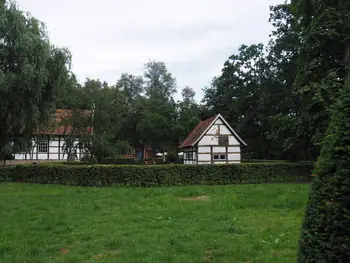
x=50, y=147
x=51, y=143
x=212, y=141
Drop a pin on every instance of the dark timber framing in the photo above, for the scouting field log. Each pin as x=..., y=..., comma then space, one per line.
x=59, y=147
x=190, y=151
x=37, y=148
x=210, y=141
x=48, y=147
x=53, y=149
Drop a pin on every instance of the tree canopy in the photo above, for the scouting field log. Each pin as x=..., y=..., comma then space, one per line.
x=278, y=96
x=32, y=74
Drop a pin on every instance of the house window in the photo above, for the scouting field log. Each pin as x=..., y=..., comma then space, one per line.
x=221, y=157
x=43, y=146
x=189, y=155
x=223, y=140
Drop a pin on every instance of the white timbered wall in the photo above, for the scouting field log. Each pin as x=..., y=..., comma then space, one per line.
x=48, y=148
x=209, y=151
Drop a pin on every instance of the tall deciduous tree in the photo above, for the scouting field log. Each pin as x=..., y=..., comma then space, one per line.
x=132, y=89
x=238, y=95
x=324, y=28
x=32, y=71
x=110, y=110
x=188, y=113
x=131, y=85
x=158, y=121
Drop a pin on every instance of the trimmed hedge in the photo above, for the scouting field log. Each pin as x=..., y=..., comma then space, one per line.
x=325, y=233
x=264, y=161
x=129, y=161
x=107, y=161
x=156, y=175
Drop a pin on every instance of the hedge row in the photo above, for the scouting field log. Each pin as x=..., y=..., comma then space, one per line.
x=121, y=161
x=156, y=175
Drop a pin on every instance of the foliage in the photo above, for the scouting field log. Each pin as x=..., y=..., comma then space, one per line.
x=279, y=97
x=123, y=161
x=171, y=157
x=87, y=159
x=325, y=236
x=79, y=224
x=32, y=73
x=77, y=129
x=136, y=113
x=188, y=113
x=156, y=175
x=243, y=93
x=157, y=125
x=324, y=30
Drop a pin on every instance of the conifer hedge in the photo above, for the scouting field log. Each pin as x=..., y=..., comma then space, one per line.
x=156, y=175
x=325, y=234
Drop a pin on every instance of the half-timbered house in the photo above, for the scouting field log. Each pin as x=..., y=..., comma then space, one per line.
x=212, y=141
x=50, y=143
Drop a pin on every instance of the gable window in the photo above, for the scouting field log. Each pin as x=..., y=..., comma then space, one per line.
x=43, y=146
x=223, y=140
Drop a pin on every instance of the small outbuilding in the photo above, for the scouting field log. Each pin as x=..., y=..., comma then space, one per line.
x=212, y=141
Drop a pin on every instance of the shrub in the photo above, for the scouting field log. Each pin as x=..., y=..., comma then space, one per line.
x=130, y=161
x=325, y=235
x=171, y=157
x=156, y=175
x=112, y=160
x=88, y=159
x=263, y=161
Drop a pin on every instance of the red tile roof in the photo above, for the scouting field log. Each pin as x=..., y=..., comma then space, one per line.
x=197, y=132
x=59, y=128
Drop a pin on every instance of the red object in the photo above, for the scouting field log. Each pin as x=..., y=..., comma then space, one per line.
x=60, y=129
x=197, y=132
x=147, y=153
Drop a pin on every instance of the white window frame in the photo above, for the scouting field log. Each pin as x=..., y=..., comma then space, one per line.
x=225, y=157
x=189, y=155
x=219, y=155
x=43, y=146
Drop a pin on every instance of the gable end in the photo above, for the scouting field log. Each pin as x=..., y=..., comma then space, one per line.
x=224, y=127
x=205, y=126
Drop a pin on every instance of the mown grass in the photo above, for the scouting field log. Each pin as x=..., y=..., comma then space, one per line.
x=240, y=223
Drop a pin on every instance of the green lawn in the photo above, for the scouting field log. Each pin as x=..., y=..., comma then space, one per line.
x=240, y=223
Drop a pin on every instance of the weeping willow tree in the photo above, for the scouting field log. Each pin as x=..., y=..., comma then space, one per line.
x=33, y=73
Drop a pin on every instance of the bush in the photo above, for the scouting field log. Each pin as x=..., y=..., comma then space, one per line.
x=111, y=160
x=88, y=159
x=130, y=161
x=171, y=157
x=263, y=161
x=156, y=175
x=325, y=235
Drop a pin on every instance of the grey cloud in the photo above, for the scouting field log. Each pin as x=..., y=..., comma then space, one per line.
x=193, y=38
x=175, y=33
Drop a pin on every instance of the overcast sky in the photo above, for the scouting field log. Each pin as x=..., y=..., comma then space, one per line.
x=193, y=37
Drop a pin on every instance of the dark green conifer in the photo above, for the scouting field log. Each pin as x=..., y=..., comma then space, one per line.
x=325, y=234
